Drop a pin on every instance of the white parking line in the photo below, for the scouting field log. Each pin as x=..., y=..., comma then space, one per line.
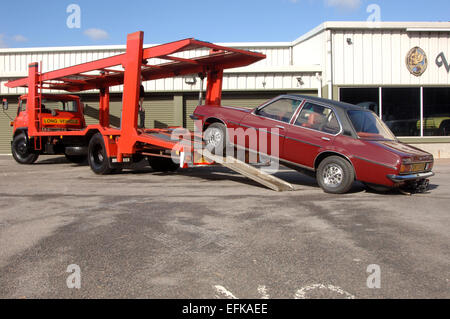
x=223, y=291
x=262, y=290
x=301, y=293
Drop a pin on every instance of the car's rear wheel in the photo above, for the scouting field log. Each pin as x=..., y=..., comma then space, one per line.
x=335, y=175
x=22, y=151
x=162, y=164
x=215, y=137
x=97, y=156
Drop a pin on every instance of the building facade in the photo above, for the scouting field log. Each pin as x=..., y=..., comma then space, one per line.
x=399, y=70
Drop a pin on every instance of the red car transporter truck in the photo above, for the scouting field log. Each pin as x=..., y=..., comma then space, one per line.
x=54, y=124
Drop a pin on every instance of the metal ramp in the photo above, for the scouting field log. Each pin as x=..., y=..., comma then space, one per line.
x=250, y=172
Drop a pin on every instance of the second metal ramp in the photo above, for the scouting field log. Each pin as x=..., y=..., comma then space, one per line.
x=251, y=172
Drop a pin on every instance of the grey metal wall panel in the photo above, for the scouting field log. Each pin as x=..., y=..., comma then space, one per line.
x=5, y=128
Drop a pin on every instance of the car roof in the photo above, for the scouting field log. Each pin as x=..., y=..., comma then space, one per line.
x=335, y=104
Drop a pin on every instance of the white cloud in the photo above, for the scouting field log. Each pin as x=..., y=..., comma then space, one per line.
x=344, y=4
x=2, y=41
x=19, y=38
x=96, y=34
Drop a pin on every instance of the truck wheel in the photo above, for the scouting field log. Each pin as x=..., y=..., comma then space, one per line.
x=162, y=164
x=22, y=151
x=97, y=157
x=215, y=138
x=77, y=159
x=335, y=175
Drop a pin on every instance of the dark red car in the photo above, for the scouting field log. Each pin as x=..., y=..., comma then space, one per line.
x=337, y=142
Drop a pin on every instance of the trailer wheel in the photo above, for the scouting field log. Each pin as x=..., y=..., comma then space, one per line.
x=22, y=151
x=162, y=164
x=97, y=157
x=335, y=175
x=77, y=159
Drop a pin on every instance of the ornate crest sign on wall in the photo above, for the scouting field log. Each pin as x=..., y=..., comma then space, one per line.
x=416, y=61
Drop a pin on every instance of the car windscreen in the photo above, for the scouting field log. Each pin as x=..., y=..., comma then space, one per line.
x=369, y=126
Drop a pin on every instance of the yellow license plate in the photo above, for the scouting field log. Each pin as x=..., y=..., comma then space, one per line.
x=60, y=121
x=418, y=167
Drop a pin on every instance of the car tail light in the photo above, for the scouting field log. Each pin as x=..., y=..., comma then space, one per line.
x=405, y=168
x=407, y=160
x=11, y=123
x=429, y=166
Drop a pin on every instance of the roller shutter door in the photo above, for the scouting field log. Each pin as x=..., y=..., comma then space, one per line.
x=5, y=128
x=159, y=111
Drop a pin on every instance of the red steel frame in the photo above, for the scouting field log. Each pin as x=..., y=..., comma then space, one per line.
x=121, y=142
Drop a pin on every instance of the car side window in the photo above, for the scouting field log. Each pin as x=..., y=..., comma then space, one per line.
x=318, y=117
x=281, y=110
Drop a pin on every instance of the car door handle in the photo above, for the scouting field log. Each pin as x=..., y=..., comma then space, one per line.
x=326, y=139
x=280, y=127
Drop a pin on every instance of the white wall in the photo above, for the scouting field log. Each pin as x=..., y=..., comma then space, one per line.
x=377, y=57
x=274, y=72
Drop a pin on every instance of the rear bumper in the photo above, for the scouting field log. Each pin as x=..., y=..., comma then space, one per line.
x=410, y=177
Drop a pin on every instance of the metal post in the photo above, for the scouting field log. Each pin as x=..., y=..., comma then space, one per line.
x=214, y=88
x=32, y=98
x=104, y=107
x=200, y=93
x=421, y=111
x=132, y=80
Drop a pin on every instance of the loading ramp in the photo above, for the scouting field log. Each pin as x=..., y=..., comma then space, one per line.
x=251, y=172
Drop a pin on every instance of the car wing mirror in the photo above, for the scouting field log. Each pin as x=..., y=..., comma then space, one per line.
x=5, y=104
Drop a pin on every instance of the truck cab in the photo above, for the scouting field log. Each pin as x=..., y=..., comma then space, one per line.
x=55, y=113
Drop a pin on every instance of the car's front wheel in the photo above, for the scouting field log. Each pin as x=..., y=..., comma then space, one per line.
x=335, y=175
x=22, y=151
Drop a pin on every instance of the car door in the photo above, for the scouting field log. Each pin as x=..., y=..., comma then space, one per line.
x=313, y=130
x=269, y=122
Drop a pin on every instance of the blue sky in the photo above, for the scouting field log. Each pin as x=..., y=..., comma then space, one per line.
x=27, y=23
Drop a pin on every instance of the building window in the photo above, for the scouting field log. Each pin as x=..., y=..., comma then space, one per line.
x=368, y=98
x=436, y=111
x=401, y=110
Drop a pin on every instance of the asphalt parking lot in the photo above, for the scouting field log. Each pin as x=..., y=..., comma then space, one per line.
x=208, y=232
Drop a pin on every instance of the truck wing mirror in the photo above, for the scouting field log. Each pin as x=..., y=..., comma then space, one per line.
x=5, y=104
